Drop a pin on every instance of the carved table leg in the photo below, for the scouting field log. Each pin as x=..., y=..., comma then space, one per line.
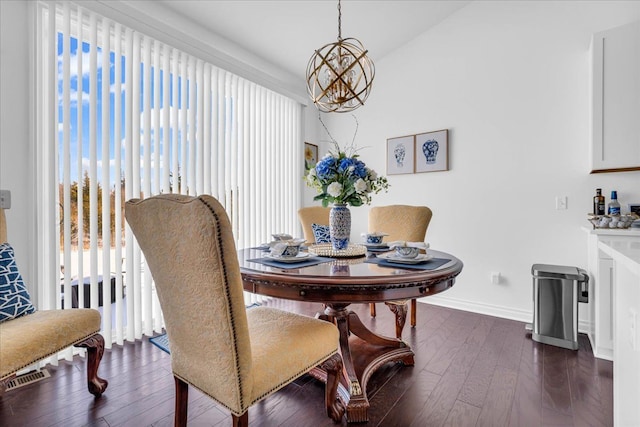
x=400, y=310
x=95, y=349
x=389, y=350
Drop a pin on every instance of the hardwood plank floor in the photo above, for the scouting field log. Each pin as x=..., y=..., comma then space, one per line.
x=470, y=370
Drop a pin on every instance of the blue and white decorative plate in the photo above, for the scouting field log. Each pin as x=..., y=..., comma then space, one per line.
x=395, y=258
x=302, y=256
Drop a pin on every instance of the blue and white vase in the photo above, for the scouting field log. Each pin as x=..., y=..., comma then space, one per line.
x=340, y=226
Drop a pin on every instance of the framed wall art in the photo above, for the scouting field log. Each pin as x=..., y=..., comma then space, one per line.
x=310, y=156
x=432, y=151
x=400, y=155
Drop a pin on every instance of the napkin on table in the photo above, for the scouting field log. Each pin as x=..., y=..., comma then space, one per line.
x=421, y=245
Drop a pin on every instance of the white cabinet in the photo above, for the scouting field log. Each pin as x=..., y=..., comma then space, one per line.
x=600, y=266
x=615, y=133
x=625, y=284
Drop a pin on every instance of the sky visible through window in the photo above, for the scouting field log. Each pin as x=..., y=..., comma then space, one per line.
x=88, y=110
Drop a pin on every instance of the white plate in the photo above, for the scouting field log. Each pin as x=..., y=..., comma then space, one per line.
x=302, y=256
x=395, y=258
x=376, y=245
x=380, y=249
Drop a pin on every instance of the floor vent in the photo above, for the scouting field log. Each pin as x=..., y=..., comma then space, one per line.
x=26, y=379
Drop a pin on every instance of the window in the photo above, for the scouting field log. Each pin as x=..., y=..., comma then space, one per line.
x=125, y=116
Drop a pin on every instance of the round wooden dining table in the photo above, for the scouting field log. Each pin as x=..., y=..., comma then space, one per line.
x=341, y=282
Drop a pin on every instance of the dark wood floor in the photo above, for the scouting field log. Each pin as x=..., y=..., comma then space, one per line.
x=470, y=370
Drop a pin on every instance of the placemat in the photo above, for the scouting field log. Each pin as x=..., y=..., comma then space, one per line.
x=267, y=248
x=432, y=264
x=306, y=263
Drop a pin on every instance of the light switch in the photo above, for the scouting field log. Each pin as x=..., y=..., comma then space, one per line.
x=5, y=199
x=561, y=202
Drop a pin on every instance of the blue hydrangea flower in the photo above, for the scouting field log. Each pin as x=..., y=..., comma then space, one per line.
x=345, y=164
x=360, y=169
x=325, y=168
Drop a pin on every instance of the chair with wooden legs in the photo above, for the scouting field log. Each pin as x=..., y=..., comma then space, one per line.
x=235, y=356
x=400, y=222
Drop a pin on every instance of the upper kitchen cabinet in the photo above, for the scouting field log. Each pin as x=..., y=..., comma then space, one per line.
x=616, y=100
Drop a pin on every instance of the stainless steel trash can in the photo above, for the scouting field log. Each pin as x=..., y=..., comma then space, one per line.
x=557, y=289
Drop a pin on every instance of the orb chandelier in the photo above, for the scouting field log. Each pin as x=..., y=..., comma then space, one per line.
x=340, y=75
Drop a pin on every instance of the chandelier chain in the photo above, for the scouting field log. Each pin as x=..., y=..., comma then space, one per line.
x=339, y=21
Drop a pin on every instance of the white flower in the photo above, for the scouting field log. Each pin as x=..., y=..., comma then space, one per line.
x=373, y=175
x=360, y=185
x=334, y=189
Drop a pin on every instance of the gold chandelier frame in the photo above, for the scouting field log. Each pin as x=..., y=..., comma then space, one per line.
x=340, y=75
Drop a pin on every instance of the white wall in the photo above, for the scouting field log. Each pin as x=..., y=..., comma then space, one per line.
x=510, y=80
x=16, y=170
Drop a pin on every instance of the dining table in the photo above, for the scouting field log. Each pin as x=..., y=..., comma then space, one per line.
x=338, y=282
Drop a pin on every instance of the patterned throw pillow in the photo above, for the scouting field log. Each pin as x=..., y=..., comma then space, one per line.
x=14, y=298
x=321, y=233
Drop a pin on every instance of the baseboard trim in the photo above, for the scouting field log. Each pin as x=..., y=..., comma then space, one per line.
x=480, y=308
x=490, y=310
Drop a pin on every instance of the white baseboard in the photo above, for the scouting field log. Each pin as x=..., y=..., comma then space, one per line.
x=490, y=310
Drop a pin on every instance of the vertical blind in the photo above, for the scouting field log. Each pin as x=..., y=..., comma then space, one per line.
x=123, y=116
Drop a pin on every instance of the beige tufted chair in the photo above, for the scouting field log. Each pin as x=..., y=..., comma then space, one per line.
x=28, y=339
x=312, y=215
x=235, y=356
x=400, y=222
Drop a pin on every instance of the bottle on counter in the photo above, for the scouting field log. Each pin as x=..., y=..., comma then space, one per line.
x=614, y=206
x=598, y=202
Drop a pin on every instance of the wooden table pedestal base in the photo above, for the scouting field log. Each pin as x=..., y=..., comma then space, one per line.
x=358, y=370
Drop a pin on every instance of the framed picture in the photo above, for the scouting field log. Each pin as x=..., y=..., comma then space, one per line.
x=432, y=151
x=310, y=155
x=400, y=155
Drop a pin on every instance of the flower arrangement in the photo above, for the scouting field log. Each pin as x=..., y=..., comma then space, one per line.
x=340, y=177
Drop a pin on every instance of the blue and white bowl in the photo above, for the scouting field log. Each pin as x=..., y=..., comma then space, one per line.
x=407, y=252
x=374, y=238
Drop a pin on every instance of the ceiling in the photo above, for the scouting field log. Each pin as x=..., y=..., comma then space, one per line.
x=286, y=32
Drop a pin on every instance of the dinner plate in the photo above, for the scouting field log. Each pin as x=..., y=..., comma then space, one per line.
x=376, y=245
x=378, y=249
x=302, y=256
x=395, y=258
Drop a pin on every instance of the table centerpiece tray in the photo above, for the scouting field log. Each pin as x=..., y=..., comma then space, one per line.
x=326, y=249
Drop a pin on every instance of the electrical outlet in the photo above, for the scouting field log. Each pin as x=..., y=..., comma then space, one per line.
x=5, y=199
x=561, y=202
x=495, y=277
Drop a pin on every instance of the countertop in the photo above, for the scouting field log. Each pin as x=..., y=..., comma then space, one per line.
x=623, y=250
x=612, y=231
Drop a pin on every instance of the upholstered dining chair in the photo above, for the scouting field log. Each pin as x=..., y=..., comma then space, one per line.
x=234, y=355
x=400, y=222
x=28, y=335
x=312, y=215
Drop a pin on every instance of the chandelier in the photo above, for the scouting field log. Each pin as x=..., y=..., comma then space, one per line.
x=340, y=75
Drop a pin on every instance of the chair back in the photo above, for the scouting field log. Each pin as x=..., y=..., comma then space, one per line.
x=3, y=227
x=189, y=247
x=400, y=222
x=312, y=215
